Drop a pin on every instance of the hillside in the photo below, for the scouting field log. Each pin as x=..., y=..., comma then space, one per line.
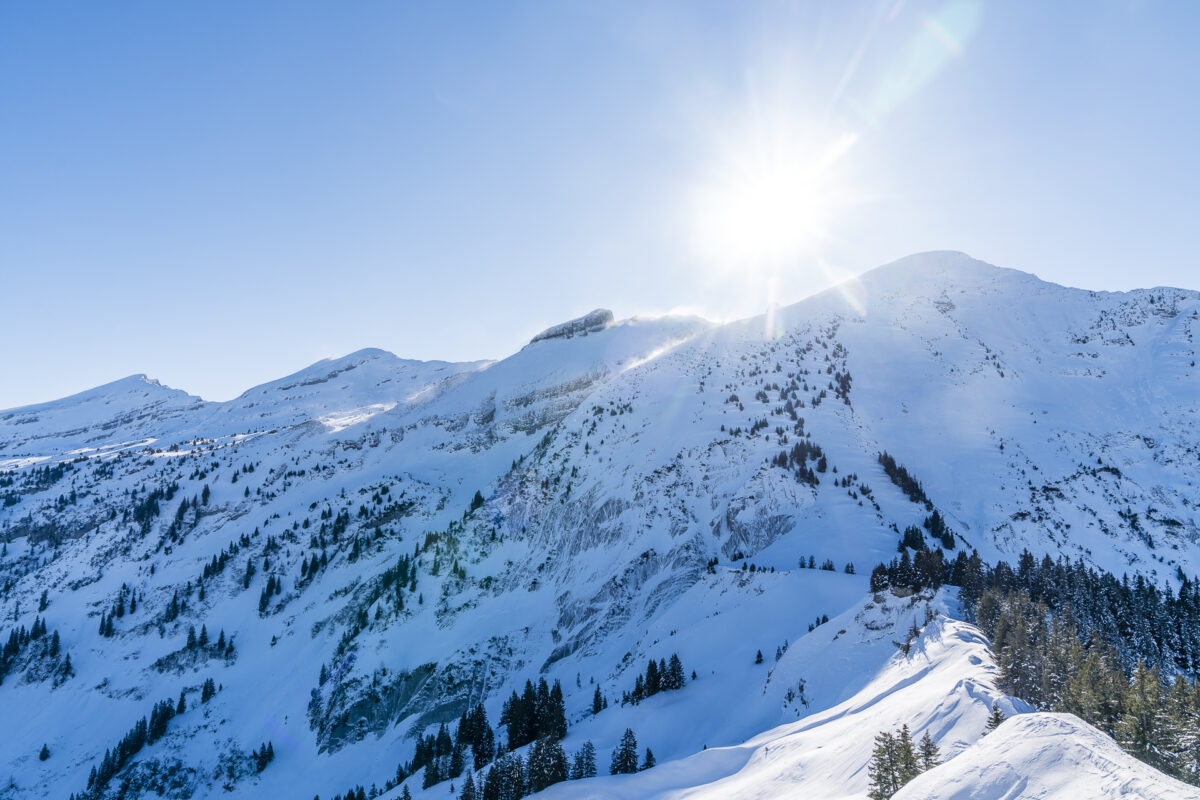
x=387, y=543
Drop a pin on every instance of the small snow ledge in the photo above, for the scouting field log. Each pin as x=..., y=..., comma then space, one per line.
x=593, y=322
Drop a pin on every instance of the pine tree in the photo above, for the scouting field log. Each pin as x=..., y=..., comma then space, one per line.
x=928, y=756
x=1183, y=730
x=585, y=762
x=906, y=756
x=430, y=777
x=44, y=754
x=547, y=764
x=675, y=677
x=625, y=756
x=514, y=784
x=597, y=701
x=555, y=723
x=648, y=762
x=468, y=789
x=1142, y=725
x=994, y=720
x=883, y=770
x=653, y=679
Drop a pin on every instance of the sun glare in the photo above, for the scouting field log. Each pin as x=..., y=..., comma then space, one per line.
x=770, y=201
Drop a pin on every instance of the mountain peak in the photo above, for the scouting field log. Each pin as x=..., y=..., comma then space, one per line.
x=130, y=384
x=938, y=263
x=942, y=268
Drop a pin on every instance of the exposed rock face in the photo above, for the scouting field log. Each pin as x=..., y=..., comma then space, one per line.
x=596, y=321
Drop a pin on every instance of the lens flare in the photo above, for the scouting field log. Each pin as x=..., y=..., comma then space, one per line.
x=771, y=199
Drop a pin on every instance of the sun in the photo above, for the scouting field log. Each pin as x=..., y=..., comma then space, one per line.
x=770, y=199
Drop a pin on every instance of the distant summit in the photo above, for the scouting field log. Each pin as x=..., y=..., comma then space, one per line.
x=592, y=322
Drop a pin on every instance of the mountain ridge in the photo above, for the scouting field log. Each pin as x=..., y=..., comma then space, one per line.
x=575, y=509
x=910, y=269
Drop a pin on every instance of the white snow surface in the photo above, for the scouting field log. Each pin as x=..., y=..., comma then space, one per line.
x=1042, y=756
x=944, y=685
x=614, y=467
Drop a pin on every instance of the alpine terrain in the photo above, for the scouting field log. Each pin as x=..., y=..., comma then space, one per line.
x=934, y=533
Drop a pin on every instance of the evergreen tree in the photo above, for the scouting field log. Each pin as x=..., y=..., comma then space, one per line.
x=44, y=753
x=675, y=676
x=490, y=786
x=883, y=770
x=585, y=762
x=555, y=723
x=468, y=789
x=928, y=756
x=625, y=756
x=430, y=778
x=1141, y=727
x=894, y=761
x=514, y=785
x=653, y=682
x=906, y=756
x=547, y=764
x=648, y=761
x=1183, y=730
x=994, y=720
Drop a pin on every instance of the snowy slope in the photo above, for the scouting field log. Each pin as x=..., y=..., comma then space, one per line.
x=944, y=685
x=121, y=413
x=1044, y=756
x=338, y=392
x=616, y=460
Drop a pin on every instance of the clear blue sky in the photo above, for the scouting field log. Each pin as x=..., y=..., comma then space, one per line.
x=217, y=193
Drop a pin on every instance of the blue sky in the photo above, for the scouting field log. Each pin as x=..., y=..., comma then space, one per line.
x=217, y=194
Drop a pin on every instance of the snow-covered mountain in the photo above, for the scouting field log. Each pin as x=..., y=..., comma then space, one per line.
x=429, y=536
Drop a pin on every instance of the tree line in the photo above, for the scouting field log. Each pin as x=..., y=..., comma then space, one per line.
x=1051, y=661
